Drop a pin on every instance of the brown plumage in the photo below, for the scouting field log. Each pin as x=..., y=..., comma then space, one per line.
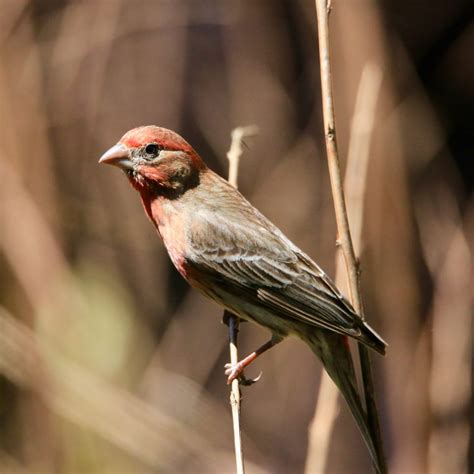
x=229, y=251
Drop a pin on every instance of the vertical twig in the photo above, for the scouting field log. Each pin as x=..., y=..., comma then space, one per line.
x=354, y=185
x=233, y=155
x=323, y=8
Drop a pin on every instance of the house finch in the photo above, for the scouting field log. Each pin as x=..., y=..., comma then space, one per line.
x=230, y=252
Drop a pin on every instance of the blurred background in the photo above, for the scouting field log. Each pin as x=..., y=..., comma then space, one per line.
x=108, y=362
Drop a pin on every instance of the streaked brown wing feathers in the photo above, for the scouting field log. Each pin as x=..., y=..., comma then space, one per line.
x=255, y=255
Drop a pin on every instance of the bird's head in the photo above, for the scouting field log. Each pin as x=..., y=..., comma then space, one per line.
x=156, y=160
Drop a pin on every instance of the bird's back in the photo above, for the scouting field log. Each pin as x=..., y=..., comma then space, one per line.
x=230, y=246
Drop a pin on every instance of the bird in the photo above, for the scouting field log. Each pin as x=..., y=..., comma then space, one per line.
x=230, y=252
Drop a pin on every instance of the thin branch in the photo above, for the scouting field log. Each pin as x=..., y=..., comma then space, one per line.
x=344, y=236
x=234, y=154
x=354, y=184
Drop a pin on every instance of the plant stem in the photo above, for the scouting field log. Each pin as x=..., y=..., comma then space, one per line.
x=326, y=410
x=234, y=154
x=323, y=8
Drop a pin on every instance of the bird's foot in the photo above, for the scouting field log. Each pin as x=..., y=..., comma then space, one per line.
x=236, y=371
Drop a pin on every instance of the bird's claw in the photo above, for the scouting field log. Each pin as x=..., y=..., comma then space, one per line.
x=235, y=371
x=247, y=382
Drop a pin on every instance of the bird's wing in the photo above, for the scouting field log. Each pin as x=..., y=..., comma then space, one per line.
x=254, y=255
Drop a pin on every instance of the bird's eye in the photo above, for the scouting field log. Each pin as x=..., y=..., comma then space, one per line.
x=152, y=149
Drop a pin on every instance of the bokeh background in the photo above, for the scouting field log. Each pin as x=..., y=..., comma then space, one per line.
x=108, y=362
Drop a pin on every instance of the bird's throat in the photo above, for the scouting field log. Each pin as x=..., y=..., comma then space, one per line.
x=168, y=221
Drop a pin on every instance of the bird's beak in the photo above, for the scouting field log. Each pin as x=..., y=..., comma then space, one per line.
x=118, y=156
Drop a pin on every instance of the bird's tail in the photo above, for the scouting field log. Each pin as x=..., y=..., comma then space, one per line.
x=370, y=338
x=333, y=350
